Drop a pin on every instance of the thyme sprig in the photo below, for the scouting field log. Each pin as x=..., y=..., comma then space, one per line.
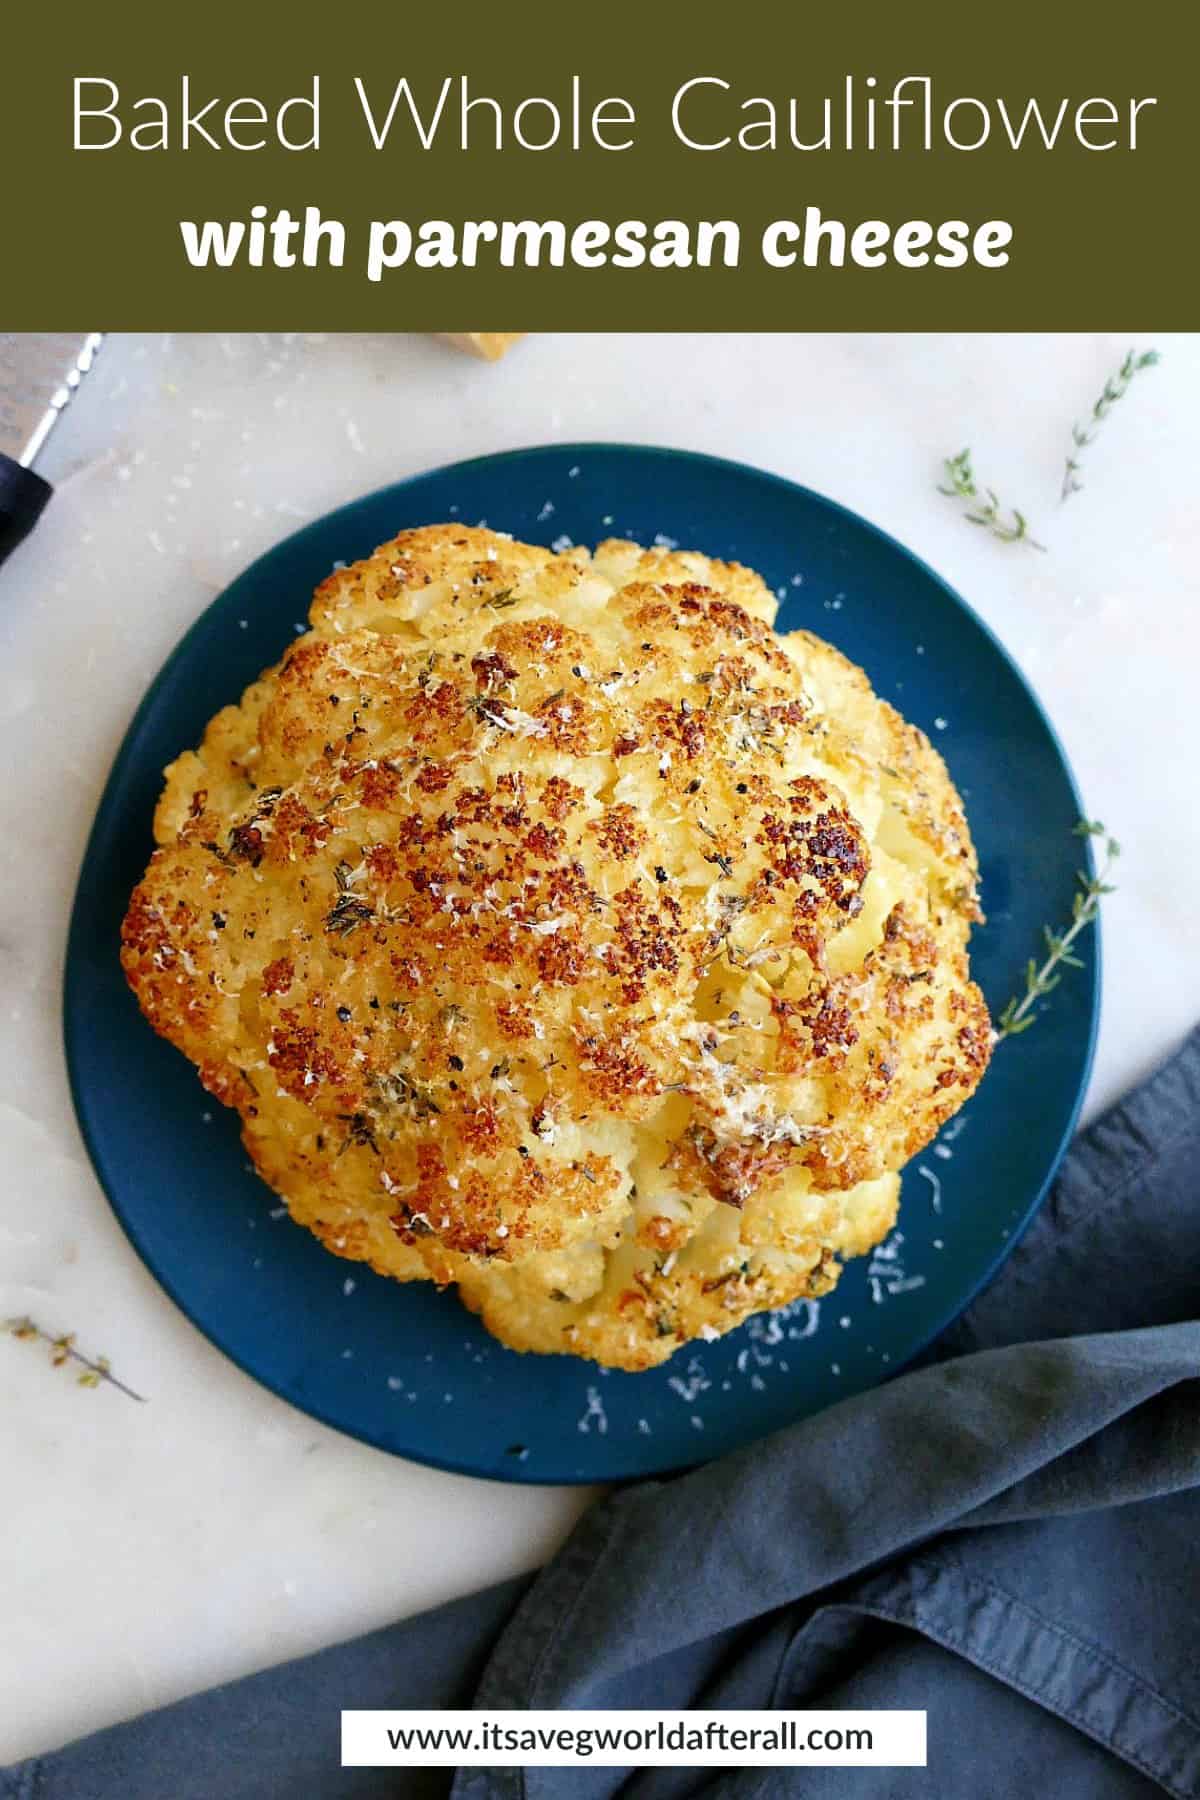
x=1115, y=388
x=63, y=1350
x=1041, y=979
x=1008, y=524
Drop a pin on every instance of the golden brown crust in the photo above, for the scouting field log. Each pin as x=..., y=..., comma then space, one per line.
x=559, y=930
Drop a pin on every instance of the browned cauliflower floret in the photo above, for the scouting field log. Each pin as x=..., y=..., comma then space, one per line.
x=559, y=930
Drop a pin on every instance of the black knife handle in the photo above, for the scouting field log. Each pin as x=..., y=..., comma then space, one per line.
x=23, y=497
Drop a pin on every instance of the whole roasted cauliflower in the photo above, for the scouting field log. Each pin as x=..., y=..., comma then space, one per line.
x=560, y=931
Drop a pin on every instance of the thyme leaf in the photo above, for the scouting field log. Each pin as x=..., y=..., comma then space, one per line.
x=395, y=1089
x=1114, y=389
x=348, y=911
x=1009, y=525
x=62, y=1350
x=1042, y=978
x=360, y=1129
x=347, y=914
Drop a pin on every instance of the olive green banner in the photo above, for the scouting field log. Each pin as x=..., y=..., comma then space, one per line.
x=753, y=166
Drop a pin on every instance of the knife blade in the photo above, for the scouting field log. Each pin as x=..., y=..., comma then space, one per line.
x=40, y=374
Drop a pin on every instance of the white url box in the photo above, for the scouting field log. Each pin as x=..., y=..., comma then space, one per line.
x=641, y=1739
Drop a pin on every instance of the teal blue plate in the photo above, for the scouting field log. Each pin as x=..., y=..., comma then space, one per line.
x=407, y=1368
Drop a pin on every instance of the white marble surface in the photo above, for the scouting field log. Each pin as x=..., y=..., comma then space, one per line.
x=149, y=1551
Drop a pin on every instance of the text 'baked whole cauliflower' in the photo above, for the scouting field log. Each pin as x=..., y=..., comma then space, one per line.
x=560, y=931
